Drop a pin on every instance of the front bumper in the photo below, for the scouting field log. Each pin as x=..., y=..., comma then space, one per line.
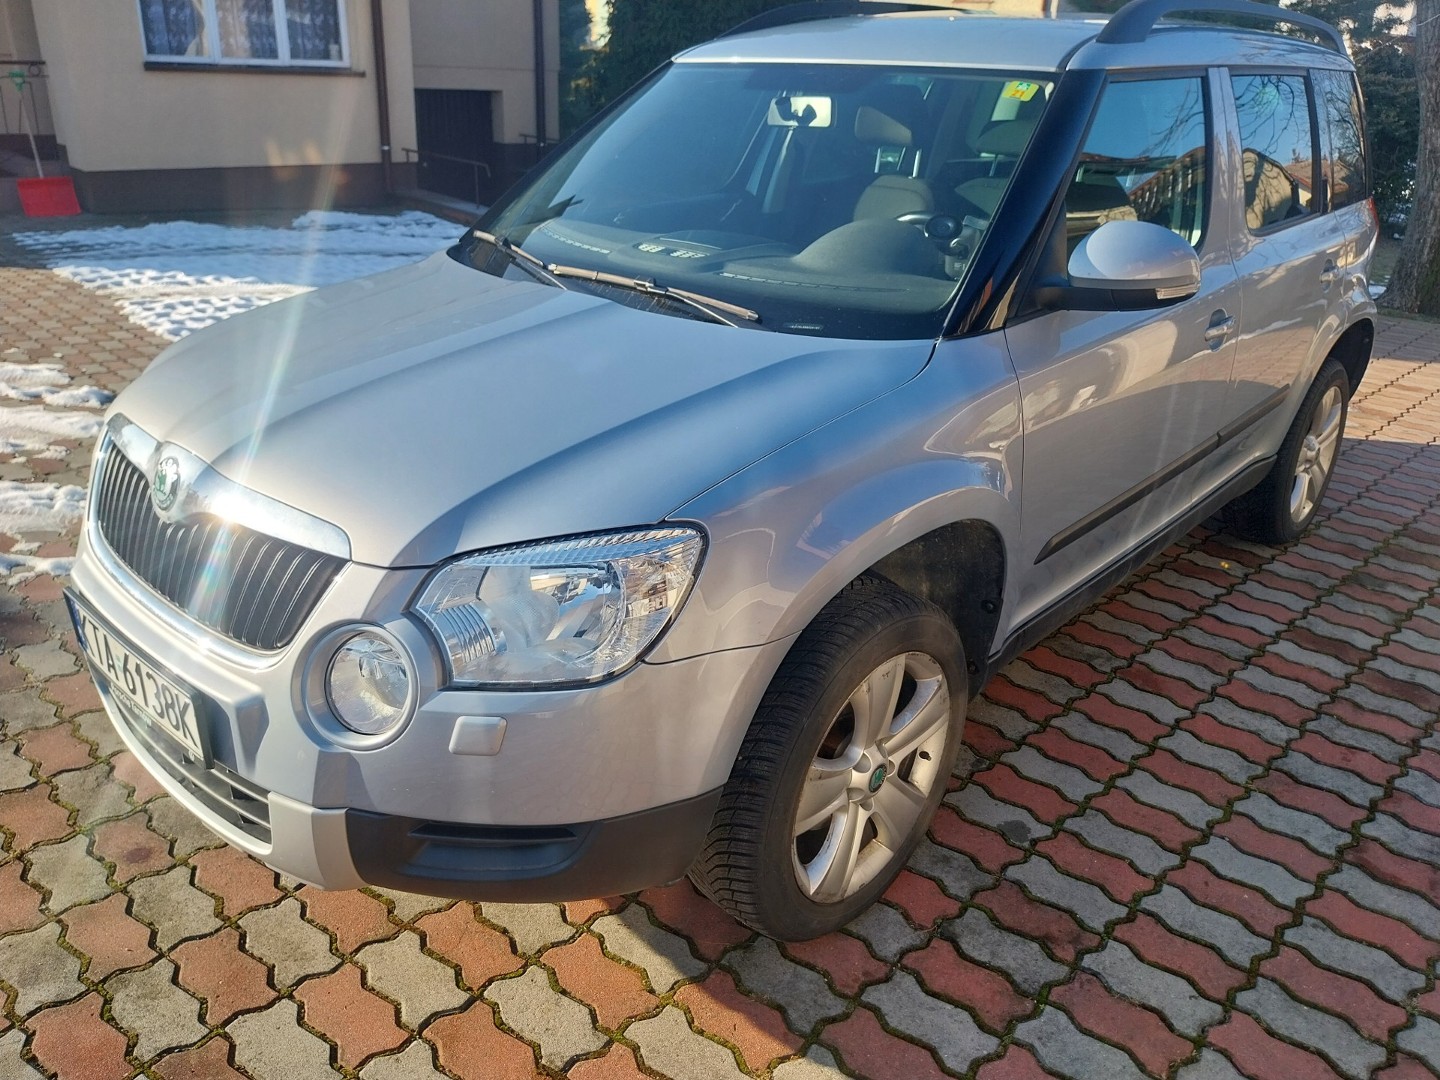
x=588, y=792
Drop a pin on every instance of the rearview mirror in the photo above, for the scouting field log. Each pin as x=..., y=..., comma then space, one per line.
x=798, y=111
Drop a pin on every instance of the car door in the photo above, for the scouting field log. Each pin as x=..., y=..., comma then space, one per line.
x=1289, y=253
x=1121, y=407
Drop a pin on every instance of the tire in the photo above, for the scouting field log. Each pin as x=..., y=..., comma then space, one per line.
x=807, y=752
x=1282, y=506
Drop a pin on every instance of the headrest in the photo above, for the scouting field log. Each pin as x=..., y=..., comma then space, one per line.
x=873, y=126
x=1007, y=138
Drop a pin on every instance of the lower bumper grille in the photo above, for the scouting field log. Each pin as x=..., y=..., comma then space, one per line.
x=224, y=793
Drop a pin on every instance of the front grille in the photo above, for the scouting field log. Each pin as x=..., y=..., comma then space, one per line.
x=253, y=588
x=224, y=793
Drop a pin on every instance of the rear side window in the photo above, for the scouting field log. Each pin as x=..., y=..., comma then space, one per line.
x=1277, y=143
x=1343, y=167
x=1144, y=159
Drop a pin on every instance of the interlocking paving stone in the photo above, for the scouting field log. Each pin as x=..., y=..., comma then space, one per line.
x=74, y=1041
x=1379, y=969
x=93, y=793
x=802, y=995
x=1020, y=958
x=1100, y=832
x=887, y=933
x=1270, y=878
x=1319, y=834
x=1129, y=976
x=664, y=957
x=182, y=828
x=1190, y=919
x=1358, y=738
x=68, y=874
x=1398, y=836
x=1423, y=787
x=357, y=1021
x=956, y=1039
x=1066, y=779
x=1069, y=1052
x=410, y=906
x=284, y=940
x=225, y=977
x=1342, y=782
x=415, y=1062
x=956, y=874
x=669, y=1046
x=817, y=1064
x=39, y=969
x=1091, y=906
x=1016, y=825
x=148, y=1004
x=13, y=1067
x=1183, y=804
x=15, y=771
x=1422, y=1038
x=532, y=926
x=1337, y=1040
x=271, y=1045
x=1377, y=896
x=1226, y=762
x=419, y=984
x=208, y=1061
x=1211, y=1065
x=559, y=1025
x=1082, y=729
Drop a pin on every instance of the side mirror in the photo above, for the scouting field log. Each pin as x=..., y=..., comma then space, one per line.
x=1126, y=265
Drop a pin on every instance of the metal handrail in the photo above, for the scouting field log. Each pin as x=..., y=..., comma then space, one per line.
x=411, y=153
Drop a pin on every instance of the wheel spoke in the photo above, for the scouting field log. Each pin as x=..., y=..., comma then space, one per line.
x=1318, y=472
x=1300, y=495
x=829, y=873
x=874, y=702
x=897, y=807
x=824, y=792
x=927, y=713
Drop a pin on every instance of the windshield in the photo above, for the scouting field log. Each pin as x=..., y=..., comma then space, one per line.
x=834, y=200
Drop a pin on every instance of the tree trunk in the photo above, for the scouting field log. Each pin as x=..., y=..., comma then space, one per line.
x=1415, y=288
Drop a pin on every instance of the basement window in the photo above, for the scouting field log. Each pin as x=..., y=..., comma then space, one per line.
x=279, y=33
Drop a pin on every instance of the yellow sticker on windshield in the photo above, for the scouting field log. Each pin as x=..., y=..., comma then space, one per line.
x=1021, y=91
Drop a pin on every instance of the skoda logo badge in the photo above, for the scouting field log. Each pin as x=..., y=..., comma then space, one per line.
x=877, y=779
x=165, y=488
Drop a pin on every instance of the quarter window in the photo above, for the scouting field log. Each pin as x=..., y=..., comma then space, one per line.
x=1144, y=160
x=1277, y=144
x=306, y=32
x=1343, y=168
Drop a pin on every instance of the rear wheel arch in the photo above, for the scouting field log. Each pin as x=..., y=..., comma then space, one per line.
x=1352, y=350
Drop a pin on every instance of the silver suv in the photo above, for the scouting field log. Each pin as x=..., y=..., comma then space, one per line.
x=667, y=523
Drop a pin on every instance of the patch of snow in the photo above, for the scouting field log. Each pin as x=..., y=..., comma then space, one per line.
x=176, y=277
x=30, y=508
x=43, y=382
x=34, y=427
x=18, y=569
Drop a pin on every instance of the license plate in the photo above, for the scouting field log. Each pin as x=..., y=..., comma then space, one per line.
x=152, y=695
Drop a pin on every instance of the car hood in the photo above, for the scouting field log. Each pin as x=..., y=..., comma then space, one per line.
x=434, y=409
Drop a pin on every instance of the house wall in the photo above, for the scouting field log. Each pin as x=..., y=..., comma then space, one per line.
x=19, y=41
x=142, y=136
x=458, y=48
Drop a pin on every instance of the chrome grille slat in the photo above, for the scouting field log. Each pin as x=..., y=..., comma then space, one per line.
x=225, y=576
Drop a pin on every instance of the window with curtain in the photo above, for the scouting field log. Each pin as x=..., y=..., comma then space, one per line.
x=310, y=32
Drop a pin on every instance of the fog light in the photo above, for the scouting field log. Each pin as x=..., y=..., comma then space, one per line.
x=368, y=684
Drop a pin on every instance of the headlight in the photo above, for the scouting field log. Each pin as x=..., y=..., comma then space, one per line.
x=567, y=611
x=368, y=684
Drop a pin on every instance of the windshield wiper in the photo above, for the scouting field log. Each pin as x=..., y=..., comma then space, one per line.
x=520, y=257
x=706, y=305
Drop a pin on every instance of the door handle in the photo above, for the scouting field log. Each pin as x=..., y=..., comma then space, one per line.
x=1330, y=273
x=1221, y=326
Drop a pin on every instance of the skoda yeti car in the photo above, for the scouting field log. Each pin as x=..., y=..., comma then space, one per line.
x=667, y=522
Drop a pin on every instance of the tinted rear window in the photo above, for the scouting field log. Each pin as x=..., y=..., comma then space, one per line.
x=1343, y=167
x=1277, y=144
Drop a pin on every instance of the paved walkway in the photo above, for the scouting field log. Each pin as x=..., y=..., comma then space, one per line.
x=1200, y=838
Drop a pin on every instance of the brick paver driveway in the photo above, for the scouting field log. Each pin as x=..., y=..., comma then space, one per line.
x=1199, y=837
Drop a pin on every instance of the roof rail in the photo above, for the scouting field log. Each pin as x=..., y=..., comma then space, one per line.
x=1133, y=22
x=836, y=9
